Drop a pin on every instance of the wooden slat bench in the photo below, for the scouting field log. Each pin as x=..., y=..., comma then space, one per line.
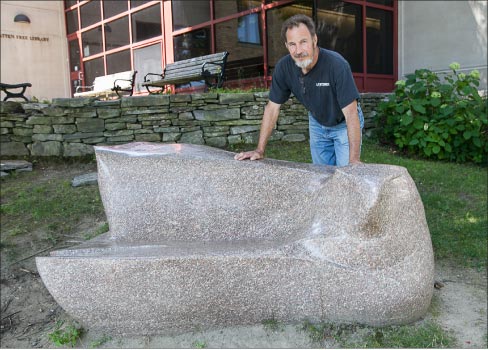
x=210, y=68
x=121, y=84
x=7, y=87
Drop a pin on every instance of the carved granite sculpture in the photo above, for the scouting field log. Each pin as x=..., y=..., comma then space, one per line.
x=198, y=240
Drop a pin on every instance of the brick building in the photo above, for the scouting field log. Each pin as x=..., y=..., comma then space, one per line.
x=58, y=45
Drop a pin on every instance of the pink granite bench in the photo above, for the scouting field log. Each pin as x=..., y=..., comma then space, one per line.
x=199, y=240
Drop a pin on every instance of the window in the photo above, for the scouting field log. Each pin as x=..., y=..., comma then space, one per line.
x=224, y=8
x=113, y=7
x=339, y=28
x=248, y=29
x=117, y=33
x=69, y=3
x=193, y=44
x=135, y=3
x=118, y=62
x=379, y=39
x=92, y=41
x=382, y=2
x=72, y=21
x=245, y=52
x=93, y=68
x=275, y=18
x=362, y=31
x=146, y=23
x=74, y=56
x=147, y=60
x=90, y=13
x=187, y=13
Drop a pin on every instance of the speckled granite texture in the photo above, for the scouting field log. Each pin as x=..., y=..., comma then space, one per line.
x=199, y=240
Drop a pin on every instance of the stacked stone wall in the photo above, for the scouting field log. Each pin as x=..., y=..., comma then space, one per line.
x=71, y=127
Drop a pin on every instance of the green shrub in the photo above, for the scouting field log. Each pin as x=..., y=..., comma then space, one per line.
x=437, y=118
x=68, y=335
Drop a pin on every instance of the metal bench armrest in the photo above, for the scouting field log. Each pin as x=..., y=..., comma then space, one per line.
x=116, y=80
x=220, y=75
x=10, y=94
x=78, y=88
x=130, y=89
x=14, y=86
x=161, y=76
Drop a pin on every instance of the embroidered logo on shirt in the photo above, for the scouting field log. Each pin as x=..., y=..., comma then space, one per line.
x=322, y=84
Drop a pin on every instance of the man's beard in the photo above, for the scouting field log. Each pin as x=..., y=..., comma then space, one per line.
x=305, y=63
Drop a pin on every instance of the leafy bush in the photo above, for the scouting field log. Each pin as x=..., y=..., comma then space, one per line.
x=437, y=118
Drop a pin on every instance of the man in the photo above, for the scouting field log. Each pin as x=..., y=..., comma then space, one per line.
x=322, y=81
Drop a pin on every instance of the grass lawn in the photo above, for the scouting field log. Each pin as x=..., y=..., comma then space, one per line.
x=44, y=209
x=454, y=197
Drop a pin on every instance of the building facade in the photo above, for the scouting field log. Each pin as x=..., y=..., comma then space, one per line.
x=35, y=52
x=69, y=43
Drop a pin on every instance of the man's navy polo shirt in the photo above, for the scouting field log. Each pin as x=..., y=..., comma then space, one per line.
x=324, y=91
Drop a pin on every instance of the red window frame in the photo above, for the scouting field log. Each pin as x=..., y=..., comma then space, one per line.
x=131, y=46
x=366, y=82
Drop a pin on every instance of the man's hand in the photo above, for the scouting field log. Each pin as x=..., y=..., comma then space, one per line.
x=252, y=155
x=270, y=116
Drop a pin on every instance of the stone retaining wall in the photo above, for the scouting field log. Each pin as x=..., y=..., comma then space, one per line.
x=70, y=127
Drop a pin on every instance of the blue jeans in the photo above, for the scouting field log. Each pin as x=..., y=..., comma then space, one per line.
x=329, y=145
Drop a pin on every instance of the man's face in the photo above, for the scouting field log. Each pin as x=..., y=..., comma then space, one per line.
x=301, y=45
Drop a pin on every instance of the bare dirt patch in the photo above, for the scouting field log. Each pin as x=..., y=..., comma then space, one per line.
x=463, y=304
x=29, y=313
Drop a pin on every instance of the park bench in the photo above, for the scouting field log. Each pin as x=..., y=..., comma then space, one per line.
x=199, y=240
x=210, y=68
x=8, y=87
x=120, y=84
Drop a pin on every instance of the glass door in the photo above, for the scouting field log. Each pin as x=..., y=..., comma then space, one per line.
x=147, y=59
x=75, y=68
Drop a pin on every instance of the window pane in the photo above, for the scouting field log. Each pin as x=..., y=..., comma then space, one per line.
x=379, y=41
x=339, y=28
x=69, y=3
x=224, y=8
x=147, y=60
x=187, y=13
x=93, y=69
x=135, y=3
x=274, y=19
x=193, y=44
x=146, y=23
x=117, y=33
x=113, y=7
x=118, y=62
x=248, y=29
x=72, y=21
x=382, y=2
x=74, y=55
x=241, y=38
x=92, y=41
x=90, y=13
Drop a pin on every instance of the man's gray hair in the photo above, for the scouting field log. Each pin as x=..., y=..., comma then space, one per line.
x=295, y=21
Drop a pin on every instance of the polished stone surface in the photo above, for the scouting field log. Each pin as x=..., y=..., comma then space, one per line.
x=199, y=240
